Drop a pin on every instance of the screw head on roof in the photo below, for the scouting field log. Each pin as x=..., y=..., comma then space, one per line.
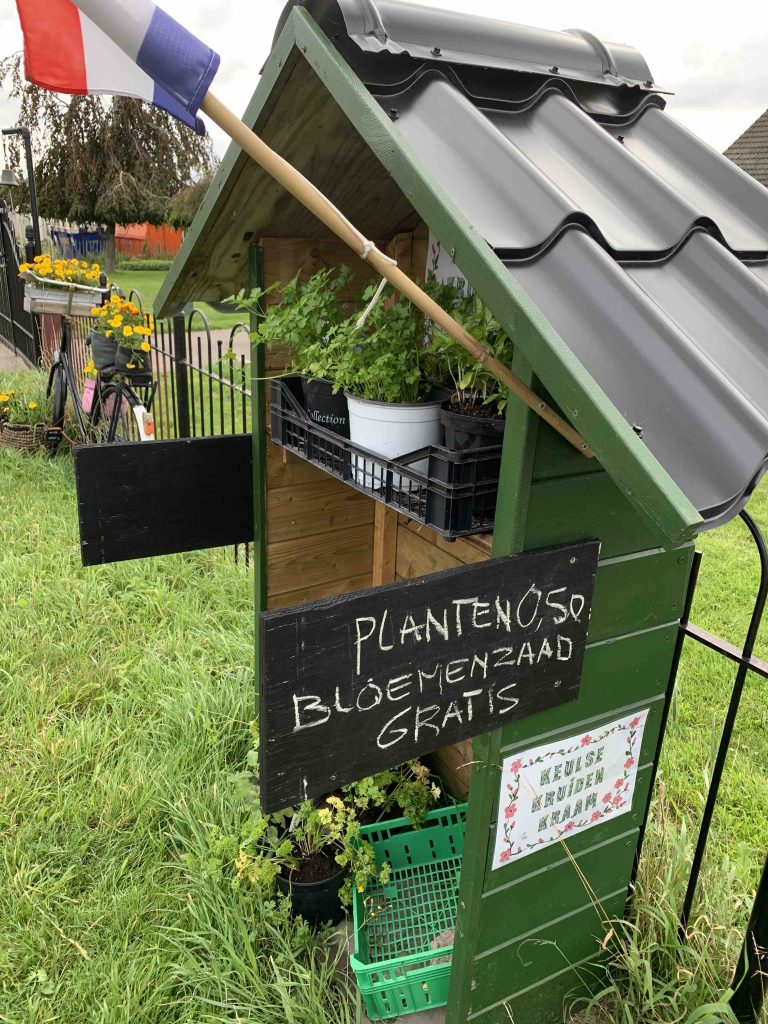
x=637, y=429
x=393, y=113
x=648, y=84
x=620, y=138
x=554, y=69
x=436, y=51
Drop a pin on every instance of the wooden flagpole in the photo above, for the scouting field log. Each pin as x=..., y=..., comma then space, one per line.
x=302, y=189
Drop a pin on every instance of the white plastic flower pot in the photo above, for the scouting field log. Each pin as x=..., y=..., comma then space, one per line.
x=390, y=430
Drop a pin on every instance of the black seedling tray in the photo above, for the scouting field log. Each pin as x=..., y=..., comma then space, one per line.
x=455, y=496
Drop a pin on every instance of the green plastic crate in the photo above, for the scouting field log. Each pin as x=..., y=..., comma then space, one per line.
x=396, y=969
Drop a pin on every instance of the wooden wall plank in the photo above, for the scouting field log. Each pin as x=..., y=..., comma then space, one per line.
x=327, y=589
x=308, y=509
x=295, y=565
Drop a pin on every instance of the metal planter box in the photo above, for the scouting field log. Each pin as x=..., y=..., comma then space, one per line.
x=63, y=301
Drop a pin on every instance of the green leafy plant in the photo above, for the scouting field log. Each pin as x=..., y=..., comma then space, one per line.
x=27, y=404
x=390, y=358
x=476, y=390
x=304, y=321
x=272, y=844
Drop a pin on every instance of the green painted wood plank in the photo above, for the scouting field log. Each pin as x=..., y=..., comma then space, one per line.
x=587, y=506
x=509, y=974
x=520, y=435
x=638, y=474
x=555, y=891
x=260, y=442
x=635, y=592
x=618, y=672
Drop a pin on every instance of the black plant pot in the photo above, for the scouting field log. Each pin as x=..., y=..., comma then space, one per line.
x=317, y=902
x=464, y=432
x=324, y=408
x=134, y=364
x=103, y=350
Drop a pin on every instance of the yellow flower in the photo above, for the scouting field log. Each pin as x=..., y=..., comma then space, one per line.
x=108, y=334
x=31, y=405
x=145, y=346
x=25, y=266
x=127, y=330
x=130, y=366
x=116, y=320
x=361, y=888
x=4, y=398
x=95, y=311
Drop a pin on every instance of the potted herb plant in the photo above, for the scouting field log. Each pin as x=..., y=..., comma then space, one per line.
x=474, y=414
x=121, y=339
x=388, y=369
x=302, y=324
x=314, y=854
x=24, y=414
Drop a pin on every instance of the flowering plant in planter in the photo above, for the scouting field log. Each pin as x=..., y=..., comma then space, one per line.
x=124, y=323
x=319, y=841
x=73, y=271
x=24, y=412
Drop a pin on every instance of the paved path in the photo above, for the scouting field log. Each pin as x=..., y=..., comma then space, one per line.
x=9, y=361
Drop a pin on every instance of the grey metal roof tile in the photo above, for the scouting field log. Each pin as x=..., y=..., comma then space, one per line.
x=733, y=200
x=680, y=348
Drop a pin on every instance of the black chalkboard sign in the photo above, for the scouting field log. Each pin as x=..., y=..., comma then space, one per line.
x=355, y=684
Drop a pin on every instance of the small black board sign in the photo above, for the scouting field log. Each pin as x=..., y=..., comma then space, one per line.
x=355, y=684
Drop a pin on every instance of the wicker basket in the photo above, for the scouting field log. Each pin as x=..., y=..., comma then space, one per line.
x=22, y=437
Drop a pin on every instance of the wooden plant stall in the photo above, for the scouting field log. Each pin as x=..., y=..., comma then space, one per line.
x=558, y=792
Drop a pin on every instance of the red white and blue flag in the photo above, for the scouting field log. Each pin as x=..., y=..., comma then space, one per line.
x=124, y=47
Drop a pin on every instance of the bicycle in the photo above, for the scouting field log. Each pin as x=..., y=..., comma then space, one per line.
x=119, y=405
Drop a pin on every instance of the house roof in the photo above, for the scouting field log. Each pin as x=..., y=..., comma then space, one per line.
x=750, y=150
x=632, y=258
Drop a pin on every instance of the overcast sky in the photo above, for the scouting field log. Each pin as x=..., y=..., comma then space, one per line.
x=711, y=55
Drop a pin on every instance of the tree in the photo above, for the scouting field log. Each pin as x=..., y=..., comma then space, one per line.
x=105, y=161
x=186, y=203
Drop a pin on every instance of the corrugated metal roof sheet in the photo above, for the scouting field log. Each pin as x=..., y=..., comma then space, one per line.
x=644, y=248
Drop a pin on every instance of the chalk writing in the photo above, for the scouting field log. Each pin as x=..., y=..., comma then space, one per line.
x=355, y=684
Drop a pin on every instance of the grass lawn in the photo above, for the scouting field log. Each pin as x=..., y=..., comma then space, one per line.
x=125, y=697
x=147, y=283
x=126, y=692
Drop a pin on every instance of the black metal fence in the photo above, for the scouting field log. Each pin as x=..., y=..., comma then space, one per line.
x=19, y=330
x=750, y=982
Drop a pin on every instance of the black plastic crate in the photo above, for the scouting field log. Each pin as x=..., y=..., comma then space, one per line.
x=456, y=496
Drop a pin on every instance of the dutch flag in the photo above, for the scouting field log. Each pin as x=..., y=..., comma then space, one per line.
x=127, y=47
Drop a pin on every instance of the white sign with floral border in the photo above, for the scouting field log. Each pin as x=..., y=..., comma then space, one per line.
x=555, y=791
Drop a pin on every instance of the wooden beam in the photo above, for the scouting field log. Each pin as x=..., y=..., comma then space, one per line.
x=384, y=544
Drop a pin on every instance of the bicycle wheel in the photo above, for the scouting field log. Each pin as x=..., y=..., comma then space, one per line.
x=110, y=426
x=57, y=386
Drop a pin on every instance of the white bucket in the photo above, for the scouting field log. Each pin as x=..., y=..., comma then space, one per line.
x=390, y=429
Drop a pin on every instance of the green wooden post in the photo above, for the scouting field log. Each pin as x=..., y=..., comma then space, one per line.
x=529, y=932
x=259, y=428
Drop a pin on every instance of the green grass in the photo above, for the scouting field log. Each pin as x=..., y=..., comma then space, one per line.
x=125, y=693
x=147, y=283
x=125, y=697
